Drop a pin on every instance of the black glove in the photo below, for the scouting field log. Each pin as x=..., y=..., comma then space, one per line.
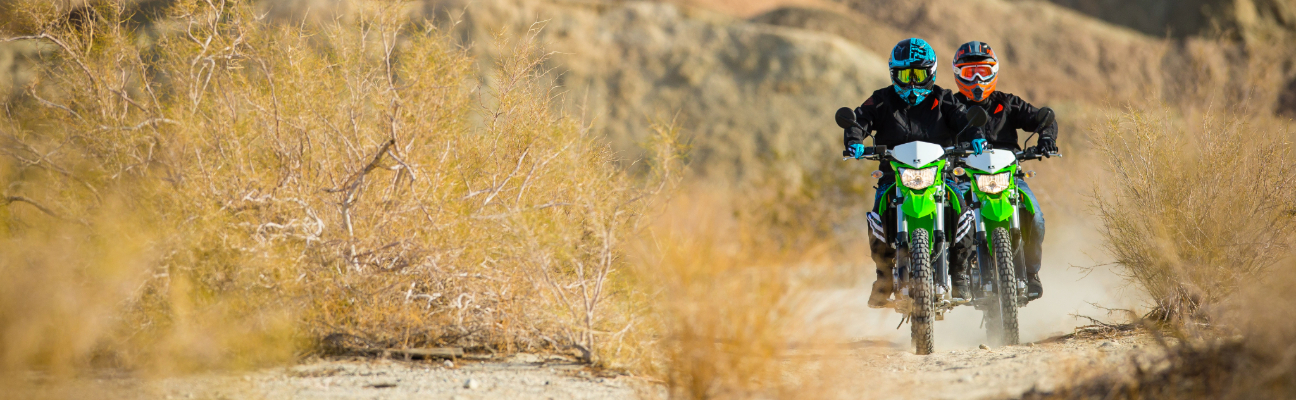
x=1046, y=146
x=855, y=132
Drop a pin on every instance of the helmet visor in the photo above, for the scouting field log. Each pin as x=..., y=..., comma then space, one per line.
x=911, y=76
x=977, y=72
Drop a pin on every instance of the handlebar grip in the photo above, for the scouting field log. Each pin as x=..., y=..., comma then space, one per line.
x=846, y=153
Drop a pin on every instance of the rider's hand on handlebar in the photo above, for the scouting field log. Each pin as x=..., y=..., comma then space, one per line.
x=1046, y=146
x=978, y=146
x=857, y=151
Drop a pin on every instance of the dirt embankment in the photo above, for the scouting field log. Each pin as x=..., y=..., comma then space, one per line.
x=1184, y=18
x=748, y=93
x=760, y=91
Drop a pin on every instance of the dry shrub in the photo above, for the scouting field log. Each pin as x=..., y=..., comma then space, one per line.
x=216, y=184
x=1194, y=205
x=732, y=309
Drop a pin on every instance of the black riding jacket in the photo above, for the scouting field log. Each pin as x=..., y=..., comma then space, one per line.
x=937, y=119
x=1008, y=113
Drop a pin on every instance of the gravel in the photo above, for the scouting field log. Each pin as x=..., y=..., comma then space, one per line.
x=367, y=379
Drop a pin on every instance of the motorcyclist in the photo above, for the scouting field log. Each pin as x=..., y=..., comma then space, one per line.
x=976, y=70
x=913, y=108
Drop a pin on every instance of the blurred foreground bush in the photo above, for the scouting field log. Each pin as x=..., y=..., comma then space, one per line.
x=218, y=188
x=1248, y=352
x=737, y=310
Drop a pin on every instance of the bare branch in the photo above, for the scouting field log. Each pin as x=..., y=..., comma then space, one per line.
x=64, y=46
x=20, y=199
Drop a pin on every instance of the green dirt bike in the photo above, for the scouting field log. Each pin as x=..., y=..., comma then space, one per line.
x=997, y=279
x=919, y=202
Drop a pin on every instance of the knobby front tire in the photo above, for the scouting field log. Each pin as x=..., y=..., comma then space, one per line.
x=1007, y=272
x=923, y=294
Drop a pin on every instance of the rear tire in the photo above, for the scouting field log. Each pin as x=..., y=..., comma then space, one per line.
x=1006, y=270
x=923, y=294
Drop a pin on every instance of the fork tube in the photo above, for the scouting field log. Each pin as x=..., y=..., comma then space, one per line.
x=1016, y=220
x=980, y=223
x=942, y=265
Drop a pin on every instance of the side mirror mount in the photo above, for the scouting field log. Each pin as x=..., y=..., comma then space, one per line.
x=977, y=116
x=1044, y=117
x=845, y=117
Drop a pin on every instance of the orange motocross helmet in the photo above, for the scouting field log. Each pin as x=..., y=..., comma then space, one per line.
x=976, y=68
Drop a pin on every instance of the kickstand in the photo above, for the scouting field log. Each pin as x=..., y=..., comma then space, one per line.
x=902, y=321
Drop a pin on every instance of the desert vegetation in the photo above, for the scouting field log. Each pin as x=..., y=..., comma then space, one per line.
x=1195, y=205
x=223, y=186
x=1197, y=210
x=219, y=188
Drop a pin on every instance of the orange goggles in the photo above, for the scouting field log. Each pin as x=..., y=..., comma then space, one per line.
x=978, y=72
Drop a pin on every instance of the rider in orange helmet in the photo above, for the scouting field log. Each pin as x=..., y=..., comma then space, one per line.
x=976, y=70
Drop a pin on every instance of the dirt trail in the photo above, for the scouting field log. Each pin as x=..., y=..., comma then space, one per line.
x=998, y=373
x=521, y=377
x=883, y=372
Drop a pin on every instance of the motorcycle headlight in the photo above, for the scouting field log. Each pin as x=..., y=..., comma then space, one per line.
x=918, y=178
x=993, y=183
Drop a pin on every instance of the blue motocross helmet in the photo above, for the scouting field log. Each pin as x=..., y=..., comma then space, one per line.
x=913, y=70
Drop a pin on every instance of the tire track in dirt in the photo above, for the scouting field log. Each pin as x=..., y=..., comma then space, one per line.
x=998, y=373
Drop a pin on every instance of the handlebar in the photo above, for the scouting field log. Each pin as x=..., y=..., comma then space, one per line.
x=1032, y=153
x=878, y=152
x=870, y=153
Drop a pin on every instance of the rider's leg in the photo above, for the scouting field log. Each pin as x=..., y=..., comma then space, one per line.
x=883, y=254
x=960, y=250
x=1033, y=238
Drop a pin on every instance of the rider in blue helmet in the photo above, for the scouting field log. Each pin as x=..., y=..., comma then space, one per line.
x=913, y=70
x=913, y=108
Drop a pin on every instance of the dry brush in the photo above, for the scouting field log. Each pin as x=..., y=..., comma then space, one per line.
x=214, y=184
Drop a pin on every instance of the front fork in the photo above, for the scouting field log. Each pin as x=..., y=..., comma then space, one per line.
x=940, y=263
x=985, y=258
x=940, y=260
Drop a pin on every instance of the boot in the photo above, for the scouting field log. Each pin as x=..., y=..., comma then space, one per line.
x=1034, y=289
x=959, y=272
x=961, y=289
x=880, y=297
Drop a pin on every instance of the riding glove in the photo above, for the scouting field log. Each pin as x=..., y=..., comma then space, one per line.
x=978, y=146
x=857, y=151
x=1047, y=146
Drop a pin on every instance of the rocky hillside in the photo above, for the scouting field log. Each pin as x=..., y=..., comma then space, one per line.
x=760, y=90
x=748, y=93
x=1185, y=18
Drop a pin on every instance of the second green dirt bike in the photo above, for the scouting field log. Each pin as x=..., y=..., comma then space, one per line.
x=998, y=277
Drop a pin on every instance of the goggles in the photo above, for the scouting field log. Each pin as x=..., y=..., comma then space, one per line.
x=911, y=76
x=978, y=72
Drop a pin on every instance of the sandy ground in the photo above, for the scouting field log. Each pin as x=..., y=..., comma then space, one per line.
x=882, y=372
x=1000, y=373
x=521, y=377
